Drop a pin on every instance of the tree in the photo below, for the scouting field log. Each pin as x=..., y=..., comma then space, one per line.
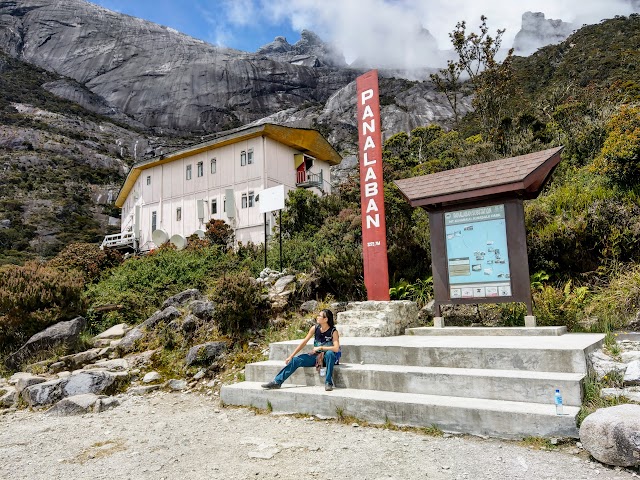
x=491, y=80
x=619, y=158
x=219, y=233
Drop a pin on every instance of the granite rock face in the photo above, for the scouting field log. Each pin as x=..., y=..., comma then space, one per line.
x=536, y=32
x=157, y=75
x=309, y=51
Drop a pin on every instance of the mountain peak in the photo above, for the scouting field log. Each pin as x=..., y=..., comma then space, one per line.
x=537, y=32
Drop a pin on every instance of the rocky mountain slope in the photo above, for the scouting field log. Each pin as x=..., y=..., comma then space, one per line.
x=155, y=74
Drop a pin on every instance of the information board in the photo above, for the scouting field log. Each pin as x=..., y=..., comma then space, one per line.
x=477, y=253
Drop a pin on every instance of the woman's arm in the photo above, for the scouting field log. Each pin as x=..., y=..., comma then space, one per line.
x=334, y=348
x=302, y=344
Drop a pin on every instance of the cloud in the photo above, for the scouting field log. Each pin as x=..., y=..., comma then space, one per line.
x=386, y=32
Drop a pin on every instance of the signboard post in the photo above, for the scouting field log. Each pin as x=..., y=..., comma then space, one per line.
x=374, y=230
x=271, y=199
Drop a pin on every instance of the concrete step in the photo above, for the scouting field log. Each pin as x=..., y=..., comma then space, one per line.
x=496, y=418
x=566, y=353
x=488, y=331
x=513, y=385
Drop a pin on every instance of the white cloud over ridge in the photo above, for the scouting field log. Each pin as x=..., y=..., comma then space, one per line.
x=389, y=32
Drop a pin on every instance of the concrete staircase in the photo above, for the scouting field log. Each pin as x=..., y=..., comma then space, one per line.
x=470, y=382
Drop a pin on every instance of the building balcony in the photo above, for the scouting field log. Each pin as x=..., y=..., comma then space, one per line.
x=119, y=241
x=309, y=180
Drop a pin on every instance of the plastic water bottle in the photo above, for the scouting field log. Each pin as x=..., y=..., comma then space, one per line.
x=323, y=371
x=558, y=401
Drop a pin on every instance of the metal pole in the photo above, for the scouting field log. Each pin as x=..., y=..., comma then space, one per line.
x=280, y=229
x=265, y=239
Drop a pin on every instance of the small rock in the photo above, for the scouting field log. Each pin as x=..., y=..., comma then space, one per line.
x=201, y=373
x=151, y=377
x=176, y=385
x=142, y=390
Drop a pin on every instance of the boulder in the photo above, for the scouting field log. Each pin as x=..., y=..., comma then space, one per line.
x=143, y=389
x=62, y=334
x=202, y=309
x=603, y=364
x=115, y=365
x=114, y=333
x=182, y=298
x=79, y=360
x=27, y=380
x=127, y=344
x=78, y=383
x=141, y=360
x=285, y=283
x=45, y=393
x=632, y=373
x=205, y=352
x=151, y=377
x=612, y=435
x=8, y=397
x=628, y=357
x=309, y=306
x=176, y=385
x=161, y=316
x=190, y=324
x=75, y=405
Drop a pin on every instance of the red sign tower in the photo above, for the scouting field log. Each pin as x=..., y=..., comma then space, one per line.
x=374, y=229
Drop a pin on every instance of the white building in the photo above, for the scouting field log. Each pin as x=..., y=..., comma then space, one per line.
x=176, y=194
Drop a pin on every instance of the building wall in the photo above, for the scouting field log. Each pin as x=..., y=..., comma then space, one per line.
x=165, y=188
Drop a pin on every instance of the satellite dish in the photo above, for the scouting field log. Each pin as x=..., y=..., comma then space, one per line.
x=179, y=241
x=200, y=234
x=159, y=237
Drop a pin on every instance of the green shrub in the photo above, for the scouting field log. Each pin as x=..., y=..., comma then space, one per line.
x=239, y=304
x=619, y=158
x=560, y=306
x=219, y=233
x=87, y=258
x=34, y=296
x=141, y=284
x=618, y=301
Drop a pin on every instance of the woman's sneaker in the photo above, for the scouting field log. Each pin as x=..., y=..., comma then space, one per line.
x=270, y=385
x=328, y=387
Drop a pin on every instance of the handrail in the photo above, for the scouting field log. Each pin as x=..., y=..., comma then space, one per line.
x=118, y=240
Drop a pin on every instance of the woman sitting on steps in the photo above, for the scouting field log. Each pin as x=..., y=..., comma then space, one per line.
x=326, y=346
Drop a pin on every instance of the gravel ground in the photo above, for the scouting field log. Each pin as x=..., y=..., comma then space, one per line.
x=189, y=435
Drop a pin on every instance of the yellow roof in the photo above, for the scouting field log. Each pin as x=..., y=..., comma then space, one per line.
x=303, y=139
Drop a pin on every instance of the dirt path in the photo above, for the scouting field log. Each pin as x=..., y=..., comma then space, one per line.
x=189, y=436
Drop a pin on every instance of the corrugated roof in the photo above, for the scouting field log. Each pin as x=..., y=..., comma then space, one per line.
x=525, y=174
x=305, y=140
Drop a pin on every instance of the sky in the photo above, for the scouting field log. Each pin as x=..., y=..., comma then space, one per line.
x=358, y=28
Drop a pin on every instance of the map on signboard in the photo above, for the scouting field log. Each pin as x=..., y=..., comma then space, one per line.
x=477, y=254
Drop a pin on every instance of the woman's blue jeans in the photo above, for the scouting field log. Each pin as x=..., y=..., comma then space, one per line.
x=306, y=360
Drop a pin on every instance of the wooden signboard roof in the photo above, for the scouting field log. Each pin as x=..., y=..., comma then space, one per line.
x=524, y=176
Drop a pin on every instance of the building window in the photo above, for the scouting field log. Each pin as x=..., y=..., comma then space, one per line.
x=154, y=223
x=250, y=156
x=251, y=197
x=214, y=206
x=178, y=214
x=200, y=169
x=148, y=179
x=213, y=165
x=188, y=172
x=243, y=158
x=244, y=200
